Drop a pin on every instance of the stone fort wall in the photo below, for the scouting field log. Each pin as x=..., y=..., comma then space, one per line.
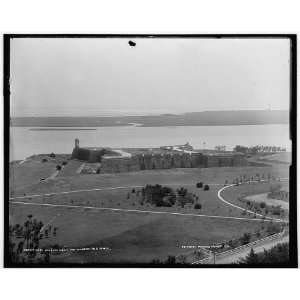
x=150, y=161
x=169, y=161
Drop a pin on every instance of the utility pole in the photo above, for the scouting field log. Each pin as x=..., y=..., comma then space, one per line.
x=213, y=250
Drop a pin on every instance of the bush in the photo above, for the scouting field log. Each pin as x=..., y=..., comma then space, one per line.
x=52, y=155
x=245, y=239
x=44, y=160
x=273, y=228
x=199, y=185
x=183, y=200
x=276, y=210
x=58, y=167
x=182, y=192
x=64, y=163
x=262, y=205
x=197, y=206
x=278, y=254
x=206, y=187
x=171, y=260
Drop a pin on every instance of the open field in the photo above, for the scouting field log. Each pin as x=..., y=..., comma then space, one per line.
x=169, y=176
x=269, y=201
x=239, y=195
x=131, y=236
x=284, y=157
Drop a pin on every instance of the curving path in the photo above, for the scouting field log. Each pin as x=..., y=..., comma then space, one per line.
x=242, y=208
x=143, y=211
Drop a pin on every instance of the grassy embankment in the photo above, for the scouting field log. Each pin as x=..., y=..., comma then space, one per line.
x=131, y=237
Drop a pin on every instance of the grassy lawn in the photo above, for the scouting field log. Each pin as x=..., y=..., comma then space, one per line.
x=22, y=177
x=173, y=176
x=238, y=194
x=133, y=237
x=70, y=169
x=284, y=157
x=211, y=205
x=130, y=237
x=269, y=201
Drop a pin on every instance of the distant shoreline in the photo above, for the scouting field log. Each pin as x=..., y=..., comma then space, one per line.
x=60, y=129
x=206, y=118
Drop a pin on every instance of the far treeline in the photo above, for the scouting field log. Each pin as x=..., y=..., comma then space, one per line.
x=205, y=118
x=258, y=149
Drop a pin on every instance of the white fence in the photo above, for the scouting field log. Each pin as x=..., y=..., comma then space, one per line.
x=241, y=248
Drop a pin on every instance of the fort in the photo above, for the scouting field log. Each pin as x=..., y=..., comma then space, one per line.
x=107, y=160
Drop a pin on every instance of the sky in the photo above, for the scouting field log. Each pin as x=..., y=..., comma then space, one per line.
x=105, y=76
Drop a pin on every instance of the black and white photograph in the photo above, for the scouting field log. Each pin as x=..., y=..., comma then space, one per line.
x=160, y=150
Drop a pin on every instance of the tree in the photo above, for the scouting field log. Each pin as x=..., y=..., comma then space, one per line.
x=206, y=187
x=30, y=233
x=156, y=261
x=181, y=259
x=241, y=149
x=171, y=260
x=252, y=258
x=278, y=254
x=197, y=206
x=245, y=239
x=262, y=204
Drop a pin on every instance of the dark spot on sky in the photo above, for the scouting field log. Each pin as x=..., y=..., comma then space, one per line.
x=131, y=43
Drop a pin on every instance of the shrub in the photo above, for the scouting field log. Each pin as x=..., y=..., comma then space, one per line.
x=199, y=185
x=58, y=167
x=245, y=239
x=182, y=192
x=273, y=228
x=262, y=204
x=171, y=260
x=44, y=160
x=64, y=163
x=206, y=187
x=197, y=206
x=183, y=200
x=278, y=254
x=276, y=210
x=52, y=155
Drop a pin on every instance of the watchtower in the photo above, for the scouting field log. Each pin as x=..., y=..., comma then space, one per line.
x=77, y=143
